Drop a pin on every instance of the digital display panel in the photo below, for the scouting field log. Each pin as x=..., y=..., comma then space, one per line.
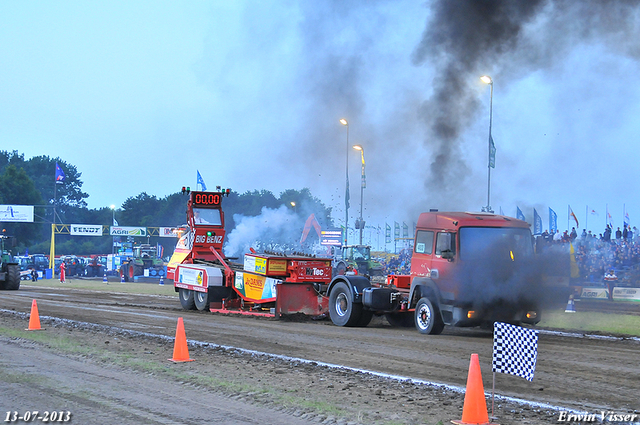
x=205, y=199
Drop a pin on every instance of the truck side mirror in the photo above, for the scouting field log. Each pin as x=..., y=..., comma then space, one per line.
x=448, y=254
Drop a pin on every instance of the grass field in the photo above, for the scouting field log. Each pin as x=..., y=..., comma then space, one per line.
x=114, y=285
x=590, y=321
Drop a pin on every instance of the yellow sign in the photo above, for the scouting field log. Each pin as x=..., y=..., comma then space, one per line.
x=277, y=266
x=261, y=265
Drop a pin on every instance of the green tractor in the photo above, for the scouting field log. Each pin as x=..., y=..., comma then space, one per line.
x=145, y=257
x=356, y=258
x=9, y=268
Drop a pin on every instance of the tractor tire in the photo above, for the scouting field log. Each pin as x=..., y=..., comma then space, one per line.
x=137, y=271
x=201, y=300
x=427, y=318
x=400, y=320
x=187, y=299
x=342, y=310
x=13, y=278
x=340, y=269
x=124, y=272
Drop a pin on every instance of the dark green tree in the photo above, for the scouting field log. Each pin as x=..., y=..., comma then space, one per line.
x=16, y=188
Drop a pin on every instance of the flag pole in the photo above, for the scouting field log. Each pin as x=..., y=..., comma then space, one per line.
x=586, y=220
x=52, y=247
x=493, y=390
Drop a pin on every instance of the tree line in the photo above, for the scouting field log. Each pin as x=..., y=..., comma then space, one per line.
x=31, y=182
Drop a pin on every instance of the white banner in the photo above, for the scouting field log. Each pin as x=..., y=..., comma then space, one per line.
x=85, y=229
x=16, y=213
x=167, y=232
x=631, y=294
x=128, y=231
x=595, y=293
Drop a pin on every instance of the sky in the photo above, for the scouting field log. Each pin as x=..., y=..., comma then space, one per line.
x=139, y=95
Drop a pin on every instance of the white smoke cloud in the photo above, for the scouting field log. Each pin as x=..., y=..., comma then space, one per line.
x=274, y=229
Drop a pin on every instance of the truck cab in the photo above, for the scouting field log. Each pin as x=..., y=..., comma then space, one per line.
x=475, y=268
x=467, y=269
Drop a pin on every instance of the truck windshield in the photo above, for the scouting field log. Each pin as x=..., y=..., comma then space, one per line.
x=207, y=216
x=477, y=242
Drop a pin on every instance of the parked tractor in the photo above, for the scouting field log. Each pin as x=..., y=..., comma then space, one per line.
x=145, y=257
x=9, y=268
x=356, y=258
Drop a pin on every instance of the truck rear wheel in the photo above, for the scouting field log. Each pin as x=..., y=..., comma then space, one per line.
x=427, y=318
x=365, y=318
x=187, y=299
x=201, y=300
x=342, y=310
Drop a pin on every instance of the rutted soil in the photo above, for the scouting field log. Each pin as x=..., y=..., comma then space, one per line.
x=124, y=373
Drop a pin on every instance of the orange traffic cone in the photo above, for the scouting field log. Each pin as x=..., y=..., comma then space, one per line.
x=474, y=410
x=34, y=318
x=180, y=350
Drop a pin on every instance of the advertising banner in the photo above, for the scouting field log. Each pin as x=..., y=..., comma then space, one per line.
x=128, y=231
x=85, y=229
x=16, y=213
x=255, y=287
x=197, y=277
x=331, y=237
x=595, y=293
x=167, y=232
x=630, y=294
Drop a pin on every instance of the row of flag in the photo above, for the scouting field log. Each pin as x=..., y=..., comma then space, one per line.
x=396, y=231
x=571, y=217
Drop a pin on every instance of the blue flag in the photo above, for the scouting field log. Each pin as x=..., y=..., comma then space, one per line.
x=553, y=221
x=537, y=223
x=60, y=176
x=346, y=195
x=519, y=214
x=492, y=153
x=200, y=181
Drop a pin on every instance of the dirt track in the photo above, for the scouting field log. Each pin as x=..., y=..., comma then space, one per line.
x=586, y=374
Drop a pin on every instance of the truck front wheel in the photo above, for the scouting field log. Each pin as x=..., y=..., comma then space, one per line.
x=342, y=310
x=427, y=318
x=187, y=300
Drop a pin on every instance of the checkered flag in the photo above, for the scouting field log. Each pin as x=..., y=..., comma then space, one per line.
x=515, y=350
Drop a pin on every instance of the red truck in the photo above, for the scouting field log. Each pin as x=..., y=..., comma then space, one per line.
x=467, y=269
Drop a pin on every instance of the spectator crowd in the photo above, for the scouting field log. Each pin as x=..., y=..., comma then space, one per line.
x=609, y=253
x=612, y=253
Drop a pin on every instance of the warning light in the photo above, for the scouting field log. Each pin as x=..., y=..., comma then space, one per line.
x=471, y=314
x=208, y=233
x=186, y=190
